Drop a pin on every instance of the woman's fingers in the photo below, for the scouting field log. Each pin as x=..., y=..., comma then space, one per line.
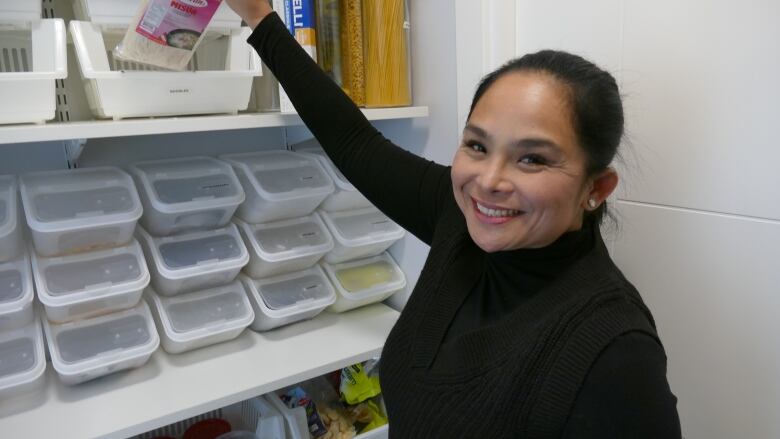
x=251, y=11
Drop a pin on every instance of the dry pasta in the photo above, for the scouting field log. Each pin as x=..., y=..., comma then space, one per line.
x=386, y=53
x=352, y=67
x=328, y=38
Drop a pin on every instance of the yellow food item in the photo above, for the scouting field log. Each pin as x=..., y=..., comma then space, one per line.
x=352, y=66
x=366, y=276
x=386, y=53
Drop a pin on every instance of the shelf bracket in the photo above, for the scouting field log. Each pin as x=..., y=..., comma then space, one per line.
x=73, y=150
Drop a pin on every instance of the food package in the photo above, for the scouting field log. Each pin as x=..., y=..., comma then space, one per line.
x=352, y=68
x=359, y=383
x=166, y=33
x=298, y=397
x=386, y=41
x=299, y=17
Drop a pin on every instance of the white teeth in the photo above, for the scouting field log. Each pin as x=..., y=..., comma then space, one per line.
x=496, y=212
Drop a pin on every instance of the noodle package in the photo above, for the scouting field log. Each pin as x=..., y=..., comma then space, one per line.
x=165, y=33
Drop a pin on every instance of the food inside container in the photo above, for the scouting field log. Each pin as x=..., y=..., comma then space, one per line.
x=387, y=67
x=366, y=276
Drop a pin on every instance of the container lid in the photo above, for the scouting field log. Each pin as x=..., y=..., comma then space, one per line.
x=288, y=239
x=21, y=356
x=20, y=11
x=16, y=289
x=333, y=172
x=71, y=279
x=189, y=184
x=362, y=227
x=203, y=313
x=365, y=278
x=120, y=13
x=282, y=175
x=292, y=292
x=8, y=205
x=76, y=199
x=88, y=344
x=195, y=253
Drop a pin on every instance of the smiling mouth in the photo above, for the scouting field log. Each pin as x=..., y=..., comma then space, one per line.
x=494, y=212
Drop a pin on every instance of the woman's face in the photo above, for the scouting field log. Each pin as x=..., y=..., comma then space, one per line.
x=519, y=173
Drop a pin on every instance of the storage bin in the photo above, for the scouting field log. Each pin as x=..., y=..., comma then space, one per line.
x=360, y=233
x=180, y=195
x=34, y=57
x=20, y=11
x=284, y=246
x=22, y=361
x=16, y=294
x=345, y=196
x=279, y=185
x=288, y=298
x=10, y=215
x=295, y=422
x=88, y=284
x=195, y=260
x=78, y=210
x=92, y=348
x=202, y=318
x=366, y=281
x=117, y=14
x=219, y=78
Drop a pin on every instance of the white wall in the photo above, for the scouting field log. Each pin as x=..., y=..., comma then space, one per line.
x=699, y=205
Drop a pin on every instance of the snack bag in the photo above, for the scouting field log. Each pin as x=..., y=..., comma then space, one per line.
x=357, y=385
x=165, y=33
x=297, y=397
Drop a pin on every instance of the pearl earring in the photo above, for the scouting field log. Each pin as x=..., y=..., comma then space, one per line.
x=592, y=203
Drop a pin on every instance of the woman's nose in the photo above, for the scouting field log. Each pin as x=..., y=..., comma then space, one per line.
x=492, y=178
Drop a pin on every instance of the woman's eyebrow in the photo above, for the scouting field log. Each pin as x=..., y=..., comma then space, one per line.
x=537, y=143
x=477, y=131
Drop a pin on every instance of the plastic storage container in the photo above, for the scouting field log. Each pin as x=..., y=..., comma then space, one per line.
x=360, y=233
x=179, y=195
x=89, y=284
x=22, y=361
x=279, y=185
x=288, y=298
x=194, y=261
x=203, y=318
x=295, y=421
x=387, y=53
x=16, y=294
x=219, y=78
x=79, y=210
x=345, y=196
x=366, y=281
x=34, y=57
x=284, y=246
x=10, y=227
x=88, y=349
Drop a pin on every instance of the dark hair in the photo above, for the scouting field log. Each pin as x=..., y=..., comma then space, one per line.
x=597, y=109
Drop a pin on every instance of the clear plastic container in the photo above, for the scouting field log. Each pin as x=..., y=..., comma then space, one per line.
x=10, y=227
x=179, y=195
x=279, y=185
x=16, y=294
x=360, y=233
x=284, y=246
x=194, y=261
x=370, y=280
x=202, y=318
x=345, y=196
x=288, y=298
x=78, y=210
x=295, y=421
x=387, y=53
x=89, y=284
x=22, y=361
x=92, y=348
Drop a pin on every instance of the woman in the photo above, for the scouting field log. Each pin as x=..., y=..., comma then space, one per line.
x=520, y=324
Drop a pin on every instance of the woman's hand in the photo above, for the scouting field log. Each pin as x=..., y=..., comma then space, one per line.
x=251, y=11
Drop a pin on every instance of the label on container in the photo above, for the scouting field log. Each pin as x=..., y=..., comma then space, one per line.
x=300, y=20
x=177, y=23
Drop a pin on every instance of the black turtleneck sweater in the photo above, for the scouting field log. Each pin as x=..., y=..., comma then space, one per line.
x=542, y=343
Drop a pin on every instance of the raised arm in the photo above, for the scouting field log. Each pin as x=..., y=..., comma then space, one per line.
x=407, y=188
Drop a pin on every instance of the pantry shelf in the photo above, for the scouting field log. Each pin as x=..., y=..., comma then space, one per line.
x=174, y=387
x=166, y=125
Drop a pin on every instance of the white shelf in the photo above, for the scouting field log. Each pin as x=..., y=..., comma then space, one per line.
x=174, y=387
x=166, y=125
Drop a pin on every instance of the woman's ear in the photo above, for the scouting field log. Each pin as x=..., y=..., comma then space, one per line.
x=601, y=187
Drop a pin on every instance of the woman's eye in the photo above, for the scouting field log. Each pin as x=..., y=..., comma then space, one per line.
x=532, y=160
x=476, y=146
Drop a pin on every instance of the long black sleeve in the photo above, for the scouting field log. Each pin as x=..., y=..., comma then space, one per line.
x=407, y=188
x=626, y=394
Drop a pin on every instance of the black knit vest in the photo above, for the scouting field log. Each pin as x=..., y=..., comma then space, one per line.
x=520, y=376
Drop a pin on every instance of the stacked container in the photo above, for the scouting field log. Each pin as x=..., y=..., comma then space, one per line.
x=88, y=269
x=193, y=251
x=285, y=237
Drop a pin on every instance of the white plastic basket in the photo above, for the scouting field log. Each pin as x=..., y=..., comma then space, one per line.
x=22, y=361
x=363, y=282
x=16, y=294
x=20, y=11
x=32, y=60
x=88, y=349
x=117, y=14
x=203, y=318
x=220, y=80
